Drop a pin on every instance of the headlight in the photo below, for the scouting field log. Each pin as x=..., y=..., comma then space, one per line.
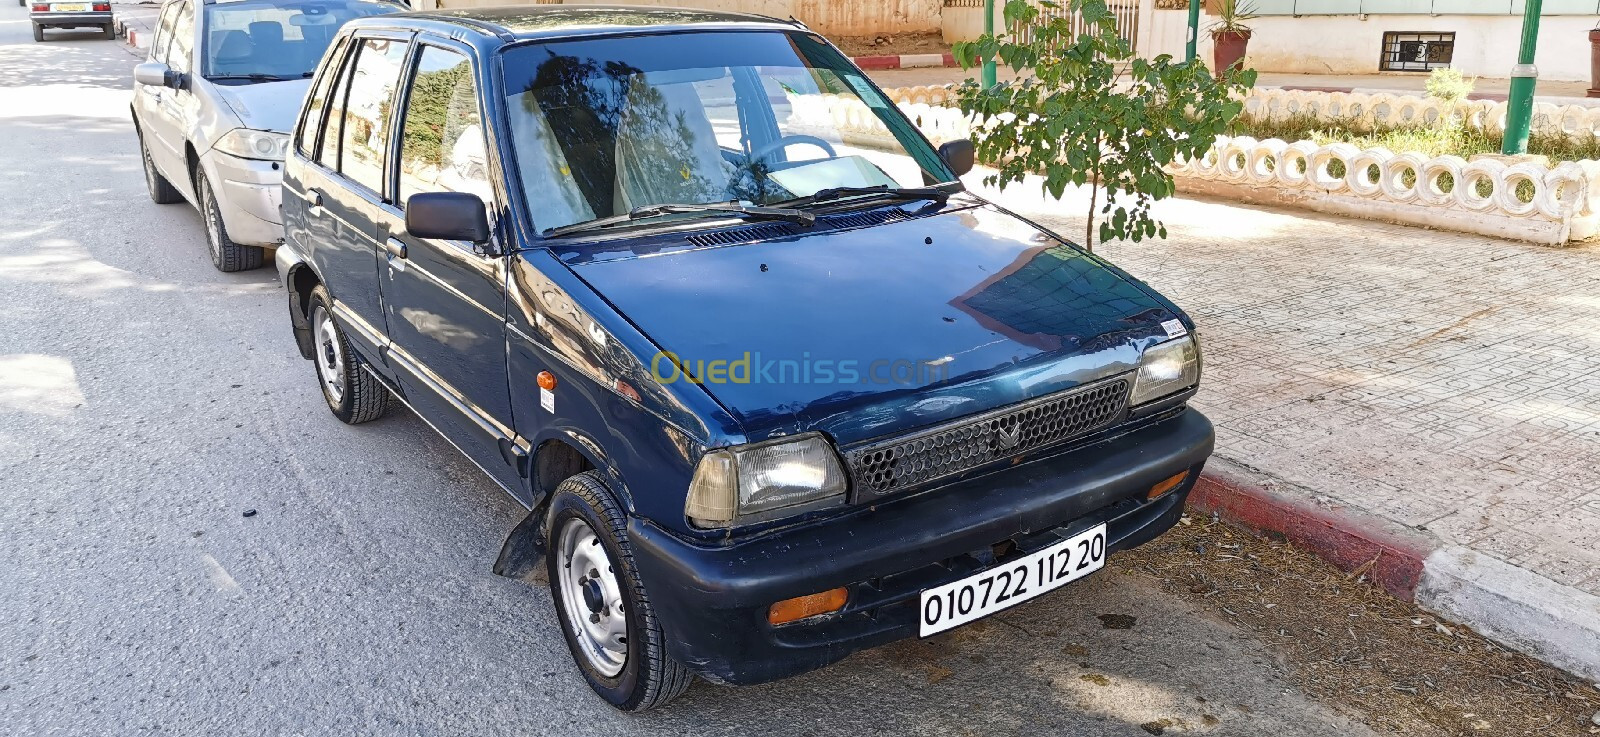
x=1166, y=368
x=248, y=144
x=764, y=480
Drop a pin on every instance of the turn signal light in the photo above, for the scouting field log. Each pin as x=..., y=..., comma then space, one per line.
x=810, y=605
x=547, y=381
x=1167, y=484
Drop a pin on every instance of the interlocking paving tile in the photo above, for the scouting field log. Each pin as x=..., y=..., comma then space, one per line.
x=1442, y=380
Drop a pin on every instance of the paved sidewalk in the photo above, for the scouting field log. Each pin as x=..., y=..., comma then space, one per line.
x=1444, y=382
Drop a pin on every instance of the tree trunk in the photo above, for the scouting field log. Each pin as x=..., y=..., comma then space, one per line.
x=1094, y=204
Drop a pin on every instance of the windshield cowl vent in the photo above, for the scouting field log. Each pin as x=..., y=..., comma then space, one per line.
x=769, y=231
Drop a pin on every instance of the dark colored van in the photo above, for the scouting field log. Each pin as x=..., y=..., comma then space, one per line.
x=773, y=385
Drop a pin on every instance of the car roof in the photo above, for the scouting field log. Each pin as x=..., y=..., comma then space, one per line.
x=561, y=21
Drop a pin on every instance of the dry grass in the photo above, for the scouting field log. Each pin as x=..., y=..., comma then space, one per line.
x=1350, y=644
x=1429, y=141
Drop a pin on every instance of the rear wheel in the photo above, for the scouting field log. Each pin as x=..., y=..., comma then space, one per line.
x=161, y=191
x=38, y=32
x=353, y=395
x=225, y=254
x=109, y=30
x=605, y=613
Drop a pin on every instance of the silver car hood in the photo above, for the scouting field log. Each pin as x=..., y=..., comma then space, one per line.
x=265, y=106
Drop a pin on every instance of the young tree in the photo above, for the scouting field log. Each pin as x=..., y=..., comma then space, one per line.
x=1092, y=113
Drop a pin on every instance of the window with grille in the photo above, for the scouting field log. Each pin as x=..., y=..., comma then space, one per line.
x=1416, y=52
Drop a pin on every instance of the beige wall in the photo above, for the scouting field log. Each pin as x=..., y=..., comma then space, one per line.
x=829, y=17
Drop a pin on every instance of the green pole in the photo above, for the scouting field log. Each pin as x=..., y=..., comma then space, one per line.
x=990, y=78
x=1194, y=29
x=1524, y=77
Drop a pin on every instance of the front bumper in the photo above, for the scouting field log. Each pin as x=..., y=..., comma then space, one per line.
x=712, y=601
x=249, y=194
x=70, y=20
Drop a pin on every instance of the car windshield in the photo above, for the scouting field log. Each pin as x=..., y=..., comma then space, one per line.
x=261, y=41
x=602, y=127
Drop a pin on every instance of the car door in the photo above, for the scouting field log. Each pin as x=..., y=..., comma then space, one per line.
x=148, y=101
x=177, y=109
x=444, y=301
x=341, y=192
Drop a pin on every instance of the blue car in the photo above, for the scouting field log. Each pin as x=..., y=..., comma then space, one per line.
x=773, y=385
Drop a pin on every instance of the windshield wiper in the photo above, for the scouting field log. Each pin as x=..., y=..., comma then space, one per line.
x=255, y=77
x=877, y=192
x=799, y=217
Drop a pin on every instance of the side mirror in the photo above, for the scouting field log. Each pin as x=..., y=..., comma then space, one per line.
x=156, y=74
x=447, y=216
x=959, y=155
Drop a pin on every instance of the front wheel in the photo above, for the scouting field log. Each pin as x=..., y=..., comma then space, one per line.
x=353, y=395
x=605, y=613
x=225, y=254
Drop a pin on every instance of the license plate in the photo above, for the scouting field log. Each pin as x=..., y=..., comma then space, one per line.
x=1017, y=581
x=61, y=8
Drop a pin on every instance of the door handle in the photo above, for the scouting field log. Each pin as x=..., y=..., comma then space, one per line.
x=314, y=203
x=395, y=247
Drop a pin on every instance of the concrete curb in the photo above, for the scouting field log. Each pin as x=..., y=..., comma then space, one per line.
x=1512, y=606
x=904, y=61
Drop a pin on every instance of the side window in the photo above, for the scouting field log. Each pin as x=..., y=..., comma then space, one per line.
x=306, y=136
x=364, y=136
x=441, y=140
x=180, y=55
x=328, y=153
x=158, y=46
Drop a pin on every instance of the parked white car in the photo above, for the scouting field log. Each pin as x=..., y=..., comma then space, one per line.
x=215, y=101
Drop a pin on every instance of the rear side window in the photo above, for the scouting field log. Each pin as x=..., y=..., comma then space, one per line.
x=180, y=55
x=306, y=137
x=442, y=144
x=365, y=136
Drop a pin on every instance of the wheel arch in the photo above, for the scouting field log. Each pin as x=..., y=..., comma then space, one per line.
x=555, y=459
x=299, y=279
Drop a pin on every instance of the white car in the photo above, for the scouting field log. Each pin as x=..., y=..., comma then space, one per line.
x=213, y=105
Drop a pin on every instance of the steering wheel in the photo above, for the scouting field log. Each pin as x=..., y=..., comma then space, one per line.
x=790, y=140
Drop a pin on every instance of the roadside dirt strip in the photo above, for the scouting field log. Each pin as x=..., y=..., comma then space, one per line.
x=1512, y=606
x=1351, y=644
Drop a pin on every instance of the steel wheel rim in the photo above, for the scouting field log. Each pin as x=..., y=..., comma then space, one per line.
x=149, y=168
x=587, y=579
x=213, y=228
x=330, y=355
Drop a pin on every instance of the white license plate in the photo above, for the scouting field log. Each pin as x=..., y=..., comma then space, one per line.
x=60, y=8
x=1008, y=585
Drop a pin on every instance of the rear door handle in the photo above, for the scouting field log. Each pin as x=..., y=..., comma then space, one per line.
x=395, y=247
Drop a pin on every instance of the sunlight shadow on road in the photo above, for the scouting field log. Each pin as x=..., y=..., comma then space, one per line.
x=38, y=384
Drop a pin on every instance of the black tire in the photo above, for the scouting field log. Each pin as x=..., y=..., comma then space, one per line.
x=649, y=677
x=109, y=30
x=161, y=191
x=353, y=395
x=38, y=33
x=225, y=254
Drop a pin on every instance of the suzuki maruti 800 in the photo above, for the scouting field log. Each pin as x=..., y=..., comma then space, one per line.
x=773, y=389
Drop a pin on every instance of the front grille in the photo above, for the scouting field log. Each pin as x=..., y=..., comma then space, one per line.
x=886, y=466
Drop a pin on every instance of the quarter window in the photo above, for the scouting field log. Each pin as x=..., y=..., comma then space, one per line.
x=328, y=153
x=442, y=144
x=365, y=134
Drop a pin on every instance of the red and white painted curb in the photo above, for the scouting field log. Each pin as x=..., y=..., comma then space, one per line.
x=138, y=39
x=904, y=61
x=1513, y=606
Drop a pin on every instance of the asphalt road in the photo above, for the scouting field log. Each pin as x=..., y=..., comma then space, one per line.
x=147, y=401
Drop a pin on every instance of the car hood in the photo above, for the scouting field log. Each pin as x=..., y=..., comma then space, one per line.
x=266, y=106
x=867, y=332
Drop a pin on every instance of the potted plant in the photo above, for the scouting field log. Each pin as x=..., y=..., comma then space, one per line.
x=1229, y=34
